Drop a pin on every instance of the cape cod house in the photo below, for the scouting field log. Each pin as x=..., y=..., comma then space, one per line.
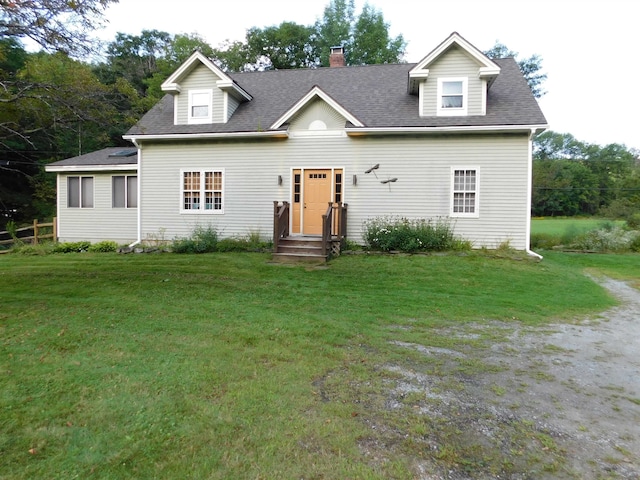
x=449, y=136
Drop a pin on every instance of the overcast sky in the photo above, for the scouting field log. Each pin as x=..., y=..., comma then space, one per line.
x=589, y=49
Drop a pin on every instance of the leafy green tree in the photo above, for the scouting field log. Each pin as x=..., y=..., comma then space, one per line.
x=365, y=38
x=232, y=57
x=286, y=46
x=335, y=29
x=530, y=67
x=613, y=177
x=563, y=187
x=56, y=25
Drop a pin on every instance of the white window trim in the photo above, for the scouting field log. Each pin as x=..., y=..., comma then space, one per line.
x=452, y=112
x=196, y=120
x=476, y=213
x=202, y=210
x=93, y=199
x=126, y=191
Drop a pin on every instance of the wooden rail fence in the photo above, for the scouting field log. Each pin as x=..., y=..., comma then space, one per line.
x=31, y=234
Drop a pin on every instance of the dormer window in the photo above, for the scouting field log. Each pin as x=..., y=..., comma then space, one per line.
x=452, y=96
x=200, y=106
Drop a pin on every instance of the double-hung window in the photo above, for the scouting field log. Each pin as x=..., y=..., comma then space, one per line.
x=124, y=191
x=80, y=192
x=452, y=96
x=464, y=201
x=200, y=108
x=202, y=191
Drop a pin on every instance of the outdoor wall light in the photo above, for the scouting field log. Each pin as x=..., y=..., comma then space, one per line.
x=279, y=180
x=355, y=179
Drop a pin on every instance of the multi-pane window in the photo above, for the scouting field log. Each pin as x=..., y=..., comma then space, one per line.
x=338, y=189
x=202, y=191
x=125, y=191
x=465, y=192
x=80, y=192
x=200, y=106
x=296, y=188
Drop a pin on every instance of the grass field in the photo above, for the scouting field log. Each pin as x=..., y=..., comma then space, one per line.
x=224, y=366
x=563, y=225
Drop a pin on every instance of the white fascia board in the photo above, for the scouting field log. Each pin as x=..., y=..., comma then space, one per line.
x=485, y=61
x=315, y=92
x=227, y=85
x=91, y=168
x=190, y=136
x=172, y=84
x=354, y=132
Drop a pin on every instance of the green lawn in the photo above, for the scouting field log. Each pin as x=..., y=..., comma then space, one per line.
x=565, y=225
x=224, y=366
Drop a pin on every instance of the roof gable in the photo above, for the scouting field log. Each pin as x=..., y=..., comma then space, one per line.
x=226, y=83
x=487, y=69
x=315, y=92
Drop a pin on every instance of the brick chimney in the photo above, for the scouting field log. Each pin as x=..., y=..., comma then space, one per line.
x=336, y=59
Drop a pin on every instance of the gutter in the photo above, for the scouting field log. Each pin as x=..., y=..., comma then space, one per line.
x=529, y=193
x=354, y=132
x=139, y=228
x=197, y=136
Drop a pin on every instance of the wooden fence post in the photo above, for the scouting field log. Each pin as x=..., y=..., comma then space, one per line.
x=35, y=232
x=55, y=230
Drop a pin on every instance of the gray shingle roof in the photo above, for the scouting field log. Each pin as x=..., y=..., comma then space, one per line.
x=106, y=156
x=375, y=94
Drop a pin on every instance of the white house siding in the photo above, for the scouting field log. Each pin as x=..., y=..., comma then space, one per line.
x=455, y=63
x=102, y=222
x=422, y=165
x=200, y=79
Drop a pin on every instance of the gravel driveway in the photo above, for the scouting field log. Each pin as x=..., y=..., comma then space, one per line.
x=573, y=390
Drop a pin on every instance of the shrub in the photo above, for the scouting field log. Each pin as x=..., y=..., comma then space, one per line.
x=104, y=246
x=405, y=235
x=202, y=240
x=29, y=249
x=606, y=239
x=233, y=245
x=72, y=247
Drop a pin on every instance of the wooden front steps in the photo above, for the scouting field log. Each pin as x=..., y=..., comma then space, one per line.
x=300, y=250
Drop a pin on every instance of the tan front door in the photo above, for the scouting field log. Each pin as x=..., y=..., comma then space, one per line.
x=317, y=195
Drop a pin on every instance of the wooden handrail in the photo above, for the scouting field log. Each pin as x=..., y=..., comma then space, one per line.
x=334, y=225
x=280, y=222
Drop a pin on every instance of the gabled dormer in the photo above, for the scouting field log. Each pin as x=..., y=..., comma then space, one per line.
x=202, y=92
x=316, y=113
x=453, y=79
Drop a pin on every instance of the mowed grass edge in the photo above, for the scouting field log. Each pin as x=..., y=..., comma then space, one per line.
x=211, y=366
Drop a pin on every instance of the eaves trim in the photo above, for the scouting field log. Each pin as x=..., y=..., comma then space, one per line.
x=210, y=135
x=92, y=168
x=355, y=132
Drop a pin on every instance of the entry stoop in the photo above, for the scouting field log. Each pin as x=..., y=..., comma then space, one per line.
x=300, y=250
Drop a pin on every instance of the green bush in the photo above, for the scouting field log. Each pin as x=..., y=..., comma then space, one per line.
x=72, y=247
x=202, y=240
x=233, y=245
x=545, y=241
x=633, y=221
x=608, y=238
x=104, y=246
x=405, y=235
x=29, y=249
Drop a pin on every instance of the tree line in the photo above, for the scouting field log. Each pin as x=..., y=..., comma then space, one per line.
x=55, y=105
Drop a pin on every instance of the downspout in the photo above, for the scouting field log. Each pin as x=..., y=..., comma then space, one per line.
x=529, y=196
x=139, y=227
